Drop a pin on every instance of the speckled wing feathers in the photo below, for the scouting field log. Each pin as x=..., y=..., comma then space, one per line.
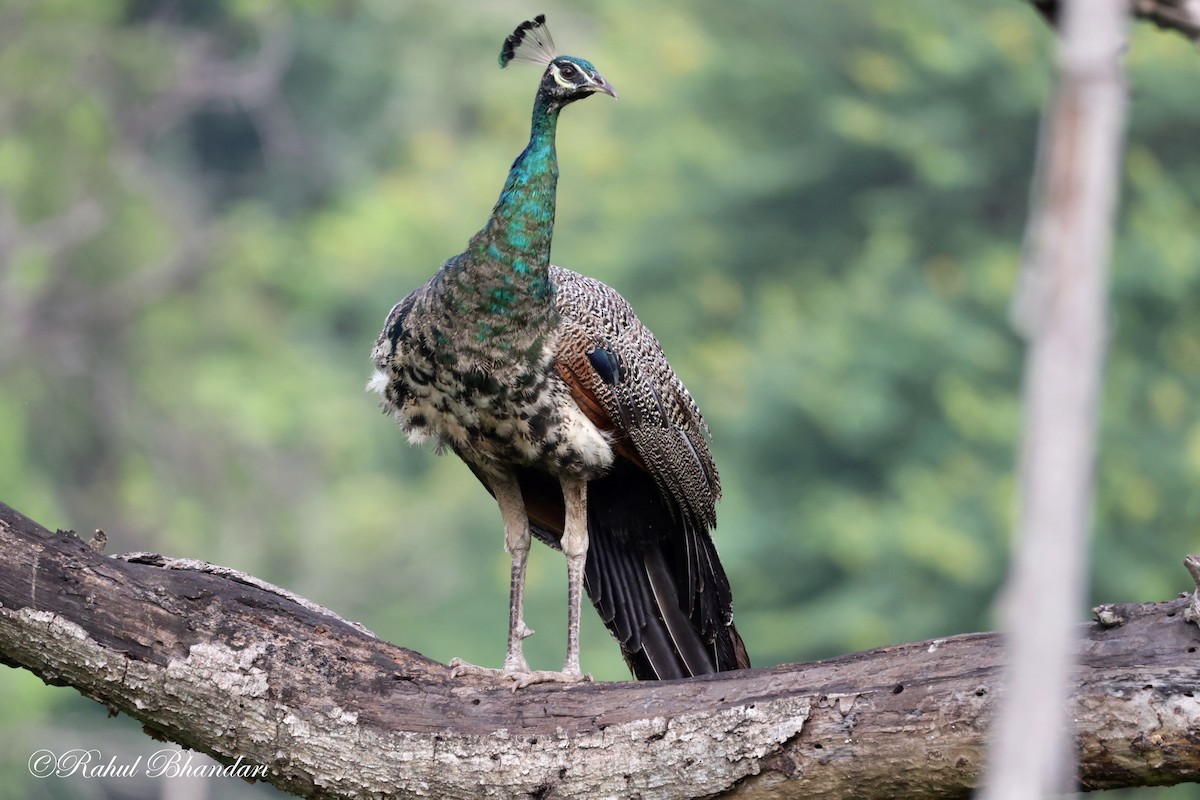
x=648, y=408
x=652, y=571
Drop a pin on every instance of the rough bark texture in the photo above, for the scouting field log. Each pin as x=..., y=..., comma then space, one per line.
x=233, y=667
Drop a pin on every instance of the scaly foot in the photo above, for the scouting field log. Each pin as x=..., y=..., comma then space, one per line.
x=520, y=674
x=549, y=676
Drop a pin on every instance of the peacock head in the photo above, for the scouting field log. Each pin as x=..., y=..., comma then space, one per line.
x=566, y=78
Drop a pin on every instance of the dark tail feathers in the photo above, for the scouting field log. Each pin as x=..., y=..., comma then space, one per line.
x=652, y=574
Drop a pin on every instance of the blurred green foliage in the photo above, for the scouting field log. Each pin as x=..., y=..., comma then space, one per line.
x=206, y=210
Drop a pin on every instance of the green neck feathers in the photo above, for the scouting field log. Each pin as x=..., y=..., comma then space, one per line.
x=512, y=252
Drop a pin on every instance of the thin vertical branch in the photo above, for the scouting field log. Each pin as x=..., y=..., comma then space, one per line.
x=1061, y=309
x=1182, y=16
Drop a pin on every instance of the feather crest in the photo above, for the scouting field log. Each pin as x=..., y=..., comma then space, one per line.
x=531, y=41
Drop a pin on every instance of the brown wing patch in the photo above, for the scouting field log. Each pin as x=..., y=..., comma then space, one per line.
x=583, y=397
x=588, y=389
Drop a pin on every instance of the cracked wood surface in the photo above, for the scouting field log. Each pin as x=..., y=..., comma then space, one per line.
x=232, y=666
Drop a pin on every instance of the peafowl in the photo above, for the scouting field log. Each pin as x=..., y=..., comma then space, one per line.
x=561, y=402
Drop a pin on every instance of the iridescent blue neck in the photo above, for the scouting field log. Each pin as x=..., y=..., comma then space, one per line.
x=503, y=278
x=522, y=223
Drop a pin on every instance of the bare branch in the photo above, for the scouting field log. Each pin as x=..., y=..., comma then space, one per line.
x=1182, y=16
x=224, y=664
x=1060, y=307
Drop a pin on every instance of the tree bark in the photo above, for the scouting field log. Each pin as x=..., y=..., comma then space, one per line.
x=233, y=667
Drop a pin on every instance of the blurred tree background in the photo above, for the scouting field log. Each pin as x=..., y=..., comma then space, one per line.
x=207, y=209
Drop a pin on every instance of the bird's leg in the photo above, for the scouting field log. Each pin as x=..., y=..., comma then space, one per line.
x=574, y=546
x=516, y=542
x=514, y=656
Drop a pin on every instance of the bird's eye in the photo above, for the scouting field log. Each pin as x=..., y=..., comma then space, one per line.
x=568, y=71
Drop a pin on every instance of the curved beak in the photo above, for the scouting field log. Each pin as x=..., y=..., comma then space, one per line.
x=601, y=85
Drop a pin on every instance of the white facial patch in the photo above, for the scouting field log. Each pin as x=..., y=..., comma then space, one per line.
x=559, y=79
